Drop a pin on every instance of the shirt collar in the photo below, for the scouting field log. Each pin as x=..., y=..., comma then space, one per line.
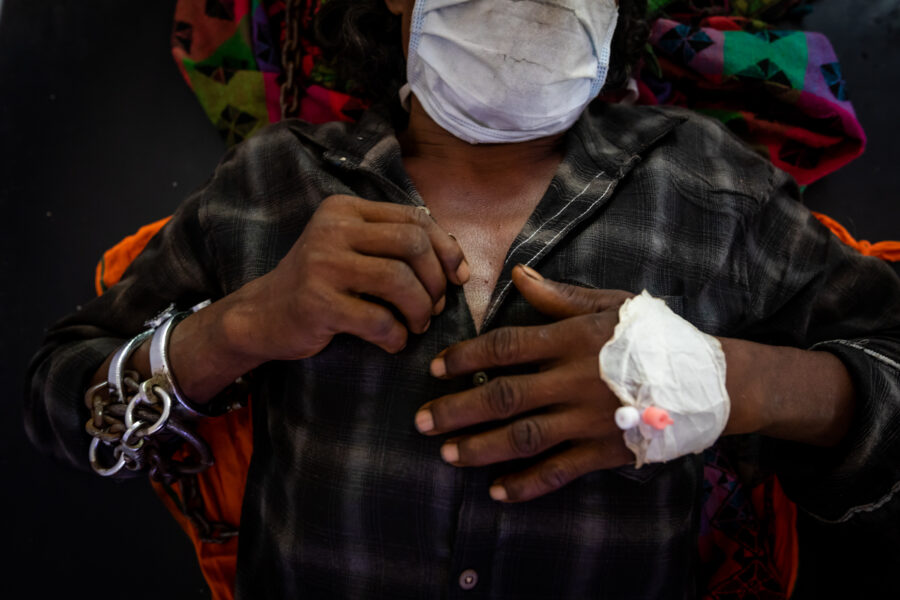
x=351, y=145
x=613, y=135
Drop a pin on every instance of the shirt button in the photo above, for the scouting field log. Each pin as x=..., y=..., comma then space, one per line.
x=468, y=579
x=480, y=378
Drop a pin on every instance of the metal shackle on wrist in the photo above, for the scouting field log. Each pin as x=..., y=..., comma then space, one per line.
x=135, y=414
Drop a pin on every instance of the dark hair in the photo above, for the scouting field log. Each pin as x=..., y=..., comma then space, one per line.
x=629, y=43
x=362, y=41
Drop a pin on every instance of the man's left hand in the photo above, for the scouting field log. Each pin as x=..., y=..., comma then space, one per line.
x=565, y=406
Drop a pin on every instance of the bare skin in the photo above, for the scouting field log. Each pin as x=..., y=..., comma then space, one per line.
x=483, y=195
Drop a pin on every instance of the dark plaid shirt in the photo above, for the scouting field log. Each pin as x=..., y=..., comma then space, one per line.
x=345, y=499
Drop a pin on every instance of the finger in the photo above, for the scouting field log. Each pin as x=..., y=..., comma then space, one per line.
x=498, y=399
x=371, y=322
x=560, y=469
x=394, y=282
x=509, y=346
x=450, y=255
x=446, y=248
x=561, y=300
x=408, y=243
x=520, y=439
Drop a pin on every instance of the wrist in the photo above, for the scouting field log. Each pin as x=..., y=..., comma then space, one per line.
x=812, y=398
x=240, y=323
x=747, y=367
x=208, y=351
x=788, y=393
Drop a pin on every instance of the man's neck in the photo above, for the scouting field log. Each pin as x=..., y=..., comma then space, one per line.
x=427, y=141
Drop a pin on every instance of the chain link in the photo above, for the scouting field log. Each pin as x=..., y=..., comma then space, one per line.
x=139, y=426
x=129, y=428
x=291, y=59
x=190, y=503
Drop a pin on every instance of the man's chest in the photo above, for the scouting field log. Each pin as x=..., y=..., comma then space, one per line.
x=485, y=242
x=485, y=220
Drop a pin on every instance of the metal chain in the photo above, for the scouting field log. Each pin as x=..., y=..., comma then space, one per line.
x=291, y=59
x=130, y=428
x=138, y=427
x=190, y=503
x=133, y=428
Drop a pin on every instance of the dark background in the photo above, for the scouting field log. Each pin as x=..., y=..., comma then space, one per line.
x=100, y=135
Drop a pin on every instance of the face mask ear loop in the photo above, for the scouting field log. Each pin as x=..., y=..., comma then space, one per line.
x=405, y=93
x=415, y=34
x=604, y=57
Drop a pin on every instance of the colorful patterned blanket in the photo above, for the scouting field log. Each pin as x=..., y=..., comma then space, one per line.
x=782, y=91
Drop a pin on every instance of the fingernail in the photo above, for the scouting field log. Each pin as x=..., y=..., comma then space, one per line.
x=531, y=272
x=438, y=367
x=450, y=453
x=439, y=307
x=452, y=237
x=498, y=492
x=427, y=325
x=424, y=421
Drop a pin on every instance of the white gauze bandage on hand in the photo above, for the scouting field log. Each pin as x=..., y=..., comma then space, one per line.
x=657, y=360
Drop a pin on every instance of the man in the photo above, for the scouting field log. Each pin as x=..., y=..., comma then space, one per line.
x=388, y=355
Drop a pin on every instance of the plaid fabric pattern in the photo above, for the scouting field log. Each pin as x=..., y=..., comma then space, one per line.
x=345, y=499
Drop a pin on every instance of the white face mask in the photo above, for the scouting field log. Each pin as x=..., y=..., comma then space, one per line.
x=492, y=71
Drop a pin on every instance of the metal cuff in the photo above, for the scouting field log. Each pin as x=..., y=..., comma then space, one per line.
x=161, y=369
x=126, y=423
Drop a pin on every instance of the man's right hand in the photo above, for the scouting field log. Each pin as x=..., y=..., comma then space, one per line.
x=352, y=253
x=353, y=257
